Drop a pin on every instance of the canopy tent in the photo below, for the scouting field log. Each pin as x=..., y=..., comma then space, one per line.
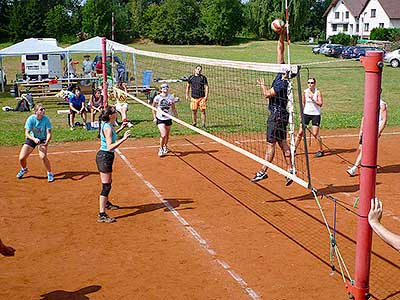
x=30, y=46
x=33, y=46
x=95, y=45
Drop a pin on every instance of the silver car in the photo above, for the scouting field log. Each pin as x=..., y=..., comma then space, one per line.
x=393, y=58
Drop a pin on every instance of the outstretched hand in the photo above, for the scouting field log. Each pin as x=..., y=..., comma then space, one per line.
x=375, y=213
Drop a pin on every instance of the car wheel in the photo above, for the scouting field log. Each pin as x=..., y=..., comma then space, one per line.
x=394, y=63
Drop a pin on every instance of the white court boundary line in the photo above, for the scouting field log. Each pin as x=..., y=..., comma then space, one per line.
x=202, y=242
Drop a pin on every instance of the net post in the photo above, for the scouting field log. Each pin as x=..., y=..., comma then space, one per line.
x=104, y=70
x=373, y=64
x=300, y=96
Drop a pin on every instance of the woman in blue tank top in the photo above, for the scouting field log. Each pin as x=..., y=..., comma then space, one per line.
x=105, y=159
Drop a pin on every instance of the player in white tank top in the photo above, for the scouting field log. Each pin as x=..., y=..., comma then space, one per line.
x=312, y=103
x=382, y=119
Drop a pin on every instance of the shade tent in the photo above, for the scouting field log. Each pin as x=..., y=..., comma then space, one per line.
x=31, y=46
x=94, y=45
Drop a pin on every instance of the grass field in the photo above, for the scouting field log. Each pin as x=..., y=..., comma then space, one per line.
x=341, y=82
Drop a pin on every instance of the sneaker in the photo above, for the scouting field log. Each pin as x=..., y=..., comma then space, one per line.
x=165, y=149
x=72, y=128
x=319, y=154
x=204, y=127
x=111, y=206
x=352, y=171
x=160, y=152
x=260, y=175
x=194, y=124
x=22, y=172
x=104, y=218
x=50, y=177
x=289, y=181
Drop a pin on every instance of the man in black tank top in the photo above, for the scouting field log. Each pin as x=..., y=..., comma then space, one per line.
x=198, y=86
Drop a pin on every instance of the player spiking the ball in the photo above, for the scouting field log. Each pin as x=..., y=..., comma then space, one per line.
x=279, y=116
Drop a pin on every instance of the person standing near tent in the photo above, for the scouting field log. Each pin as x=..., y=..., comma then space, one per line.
x=197, y=93
x=87, y=67
x=37, y=133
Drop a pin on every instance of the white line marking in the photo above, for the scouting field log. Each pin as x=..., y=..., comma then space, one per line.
x=203, y=243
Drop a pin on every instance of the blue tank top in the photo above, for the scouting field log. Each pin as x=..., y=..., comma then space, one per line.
x=103, y=142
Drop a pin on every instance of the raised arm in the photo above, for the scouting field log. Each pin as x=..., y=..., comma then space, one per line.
x=280, y=50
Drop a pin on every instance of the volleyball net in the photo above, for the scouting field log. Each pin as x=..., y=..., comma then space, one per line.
x=236, y=112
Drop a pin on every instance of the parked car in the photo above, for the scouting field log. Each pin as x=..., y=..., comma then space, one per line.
x=326, y=47
x=316, y=49
x=347, y=52
x=335, y=51
x=393, y=58
x=361, y=50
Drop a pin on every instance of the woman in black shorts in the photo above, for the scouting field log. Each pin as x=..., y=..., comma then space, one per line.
x=165, y=103
x=105, y=159
x=312, y=103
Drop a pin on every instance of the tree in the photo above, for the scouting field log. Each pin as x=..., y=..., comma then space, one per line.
x=56, y=22
x=176, y=22
x=221, y=20
x=96, y=17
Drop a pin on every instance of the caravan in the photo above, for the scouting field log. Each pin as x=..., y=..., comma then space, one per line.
x=41, y=66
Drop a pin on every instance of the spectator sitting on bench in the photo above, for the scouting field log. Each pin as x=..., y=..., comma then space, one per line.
x=96, y=104
x=121, y=104
x=77, y=106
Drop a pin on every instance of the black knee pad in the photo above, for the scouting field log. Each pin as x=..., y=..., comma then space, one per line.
x=106, y=189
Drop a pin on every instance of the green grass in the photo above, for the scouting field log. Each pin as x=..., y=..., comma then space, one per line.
x=341, y=82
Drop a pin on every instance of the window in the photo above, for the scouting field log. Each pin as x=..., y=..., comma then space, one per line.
x=347, y=14
x=345, y=27
x=373, y=13
x=357, y=27
x=351, y=28
x=381, y=25
x=334, y=27
x=44, y=56
x=32, y=57
x=336, y=15
x=366, y=27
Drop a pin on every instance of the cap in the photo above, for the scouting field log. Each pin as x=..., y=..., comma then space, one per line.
x=164, y=85
x=87, y=55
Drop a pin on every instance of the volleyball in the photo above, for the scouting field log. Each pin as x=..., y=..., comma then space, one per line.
x=278, y=25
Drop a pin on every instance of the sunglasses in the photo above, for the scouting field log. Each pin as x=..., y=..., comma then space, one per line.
x=42, y=109
x=311, y=82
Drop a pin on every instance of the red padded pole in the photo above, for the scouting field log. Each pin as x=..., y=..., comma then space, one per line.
x=373, y=64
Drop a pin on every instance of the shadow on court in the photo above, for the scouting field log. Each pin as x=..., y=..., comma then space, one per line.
x=332, y=151
x=77, y=295
x=389, y=169
x=145, y=208
x=186, y=153
x=73, y=175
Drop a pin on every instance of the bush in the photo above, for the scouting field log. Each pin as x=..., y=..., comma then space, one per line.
x=385, y=34
x=341, y=38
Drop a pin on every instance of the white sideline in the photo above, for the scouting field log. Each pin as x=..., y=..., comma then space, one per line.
x=202, y=242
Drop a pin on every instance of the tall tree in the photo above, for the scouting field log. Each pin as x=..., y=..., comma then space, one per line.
x=57, y=20
x=221, y=20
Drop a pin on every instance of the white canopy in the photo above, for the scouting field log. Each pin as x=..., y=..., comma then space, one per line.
x=94, y=45
x=33, y=46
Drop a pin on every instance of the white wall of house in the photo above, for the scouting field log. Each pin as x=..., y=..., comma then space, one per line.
x=394, y=23
x=372, y=17
x=340, y=19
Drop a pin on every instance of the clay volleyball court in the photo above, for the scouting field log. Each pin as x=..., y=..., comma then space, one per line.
x=192, y=225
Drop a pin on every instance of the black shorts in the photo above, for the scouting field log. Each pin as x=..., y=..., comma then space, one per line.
x=276, y=126
x=166, y=122
x=315, y=120
x=104, y=161
x=32, y=144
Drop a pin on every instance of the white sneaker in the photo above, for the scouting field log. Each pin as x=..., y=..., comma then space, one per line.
x=160, y=152
x=352, y=171
x=165, y=149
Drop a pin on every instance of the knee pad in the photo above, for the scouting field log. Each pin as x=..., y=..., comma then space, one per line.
x=106, y=189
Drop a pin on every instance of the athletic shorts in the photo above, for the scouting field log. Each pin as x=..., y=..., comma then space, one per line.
x=120, y=106
x=77, y=108
x=276, y=126
x=166, y=122
x=196, y=103
x=104, y=161
x=315, y=120
x=32, y=144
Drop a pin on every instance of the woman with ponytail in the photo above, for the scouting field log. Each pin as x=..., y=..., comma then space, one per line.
x=105, y=159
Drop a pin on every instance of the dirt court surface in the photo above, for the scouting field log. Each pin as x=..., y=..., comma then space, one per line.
x=192, y=225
